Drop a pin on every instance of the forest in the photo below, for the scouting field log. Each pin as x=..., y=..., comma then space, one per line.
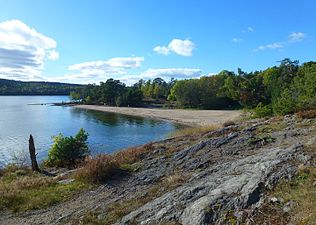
x=12, y=87
x=278, y=90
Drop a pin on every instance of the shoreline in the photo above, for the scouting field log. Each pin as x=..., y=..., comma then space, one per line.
x=189, y=117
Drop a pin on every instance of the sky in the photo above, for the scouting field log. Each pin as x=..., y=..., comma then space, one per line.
x=77, y=41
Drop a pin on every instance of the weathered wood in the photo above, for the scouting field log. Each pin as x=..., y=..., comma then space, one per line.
x=33, y=154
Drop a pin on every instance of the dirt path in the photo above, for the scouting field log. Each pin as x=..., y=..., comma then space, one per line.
x=184, y=116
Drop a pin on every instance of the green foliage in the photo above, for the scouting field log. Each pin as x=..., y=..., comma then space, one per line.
x=262, y=111
x=156, y=89
x=279, y=90
x=285, y=104
x=206, y=92
x=75, y=95
x=68, y=151
x=112, y=93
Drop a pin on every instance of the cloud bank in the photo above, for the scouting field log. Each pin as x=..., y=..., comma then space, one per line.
x=177, y=46
x=23, y=51
x=165, y=73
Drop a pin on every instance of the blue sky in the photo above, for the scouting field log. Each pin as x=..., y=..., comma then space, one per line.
x=89, y=41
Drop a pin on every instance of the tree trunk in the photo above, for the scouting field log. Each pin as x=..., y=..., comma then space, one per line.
x=32, y=154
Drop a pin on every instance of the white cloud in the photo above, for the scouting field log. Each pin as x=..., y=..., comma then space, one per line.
x=291, y=38
x=95, y=71
x=130, y=79
x=177, y=46
x=53, y=55
x=273, y=46
x=162, y=50
x=296, y=37
x=237, y=40
x=115, y=65
x=166, y=74
x=23, y=51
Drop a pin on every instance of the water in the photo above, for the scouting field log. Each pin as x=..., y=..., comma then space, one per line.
x=21, y=116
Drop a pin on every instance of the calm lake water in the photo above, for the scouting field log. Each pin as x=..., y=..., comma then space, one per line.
x=21, y=116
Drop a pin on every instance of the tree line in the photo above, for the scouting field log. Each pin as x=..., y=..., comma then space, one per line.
x=278, y=90
x=12, y=87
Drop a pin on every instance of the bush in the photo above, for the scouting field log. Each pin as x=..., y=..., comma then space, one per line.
x=68, y=151
x=262, y=111
x=285, y=104
x=98, y=169
x=103, y=167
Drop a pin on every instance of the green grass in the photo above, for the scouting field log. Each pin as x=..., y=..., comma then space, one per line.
x=23, y=190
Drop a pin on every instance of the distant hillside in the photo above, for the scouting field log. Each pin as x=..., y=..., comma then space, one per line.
x=12, y=87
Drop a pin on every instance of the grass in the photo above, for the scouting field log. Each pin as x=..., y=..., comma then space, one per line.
x=103, y=167
x=301, y=191
x=188, y=131
x=117, y=210
x=271, y=127
x=22, y=190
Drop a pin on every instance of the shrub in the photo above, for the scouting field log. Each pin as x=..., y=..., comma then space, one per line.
x=98, y=169
x=285, y=104
x=262, y=111
x=68, y=151
x=103, y=167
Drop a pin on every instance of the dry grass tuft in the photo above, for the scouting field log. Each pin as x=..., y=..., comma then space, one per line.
x=229, y=123
x=103, y=167
x=98, y=169
x=307, y=114
x=132, y=155
x=188, y=131
x=301, y=191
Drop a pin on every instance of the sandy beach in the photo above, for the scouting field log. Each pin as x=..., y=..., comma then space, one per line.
x=184, y=116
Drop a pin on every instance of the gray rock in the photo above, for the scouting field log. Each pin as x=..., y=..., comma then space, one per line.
x=206, y=198
x=66, y=181
x=288, y=206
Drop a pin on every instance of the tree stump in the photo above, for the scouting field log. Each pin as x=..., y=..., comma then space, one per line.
x=33, y=154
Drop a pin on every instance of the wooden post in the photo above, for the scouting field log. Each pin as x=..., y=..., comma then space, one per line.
x=32, y=154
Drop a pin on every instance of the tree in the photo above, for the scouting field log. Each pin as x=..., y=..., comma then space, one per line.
x=68, y=151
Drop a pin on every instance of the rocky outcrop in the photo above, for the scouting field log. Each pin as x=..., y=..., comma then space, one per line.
x=210, y=194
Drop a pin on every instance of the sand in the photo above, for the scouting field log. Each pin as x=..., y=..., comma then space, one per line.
x=184, y=116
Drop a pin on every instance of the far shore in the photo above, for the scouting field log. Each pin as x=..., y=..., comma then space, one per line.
x=190, y=117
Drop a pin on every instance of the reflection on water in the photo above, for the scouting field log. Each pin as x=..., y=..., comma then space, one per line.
x=108, y=131
x=113, y=119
